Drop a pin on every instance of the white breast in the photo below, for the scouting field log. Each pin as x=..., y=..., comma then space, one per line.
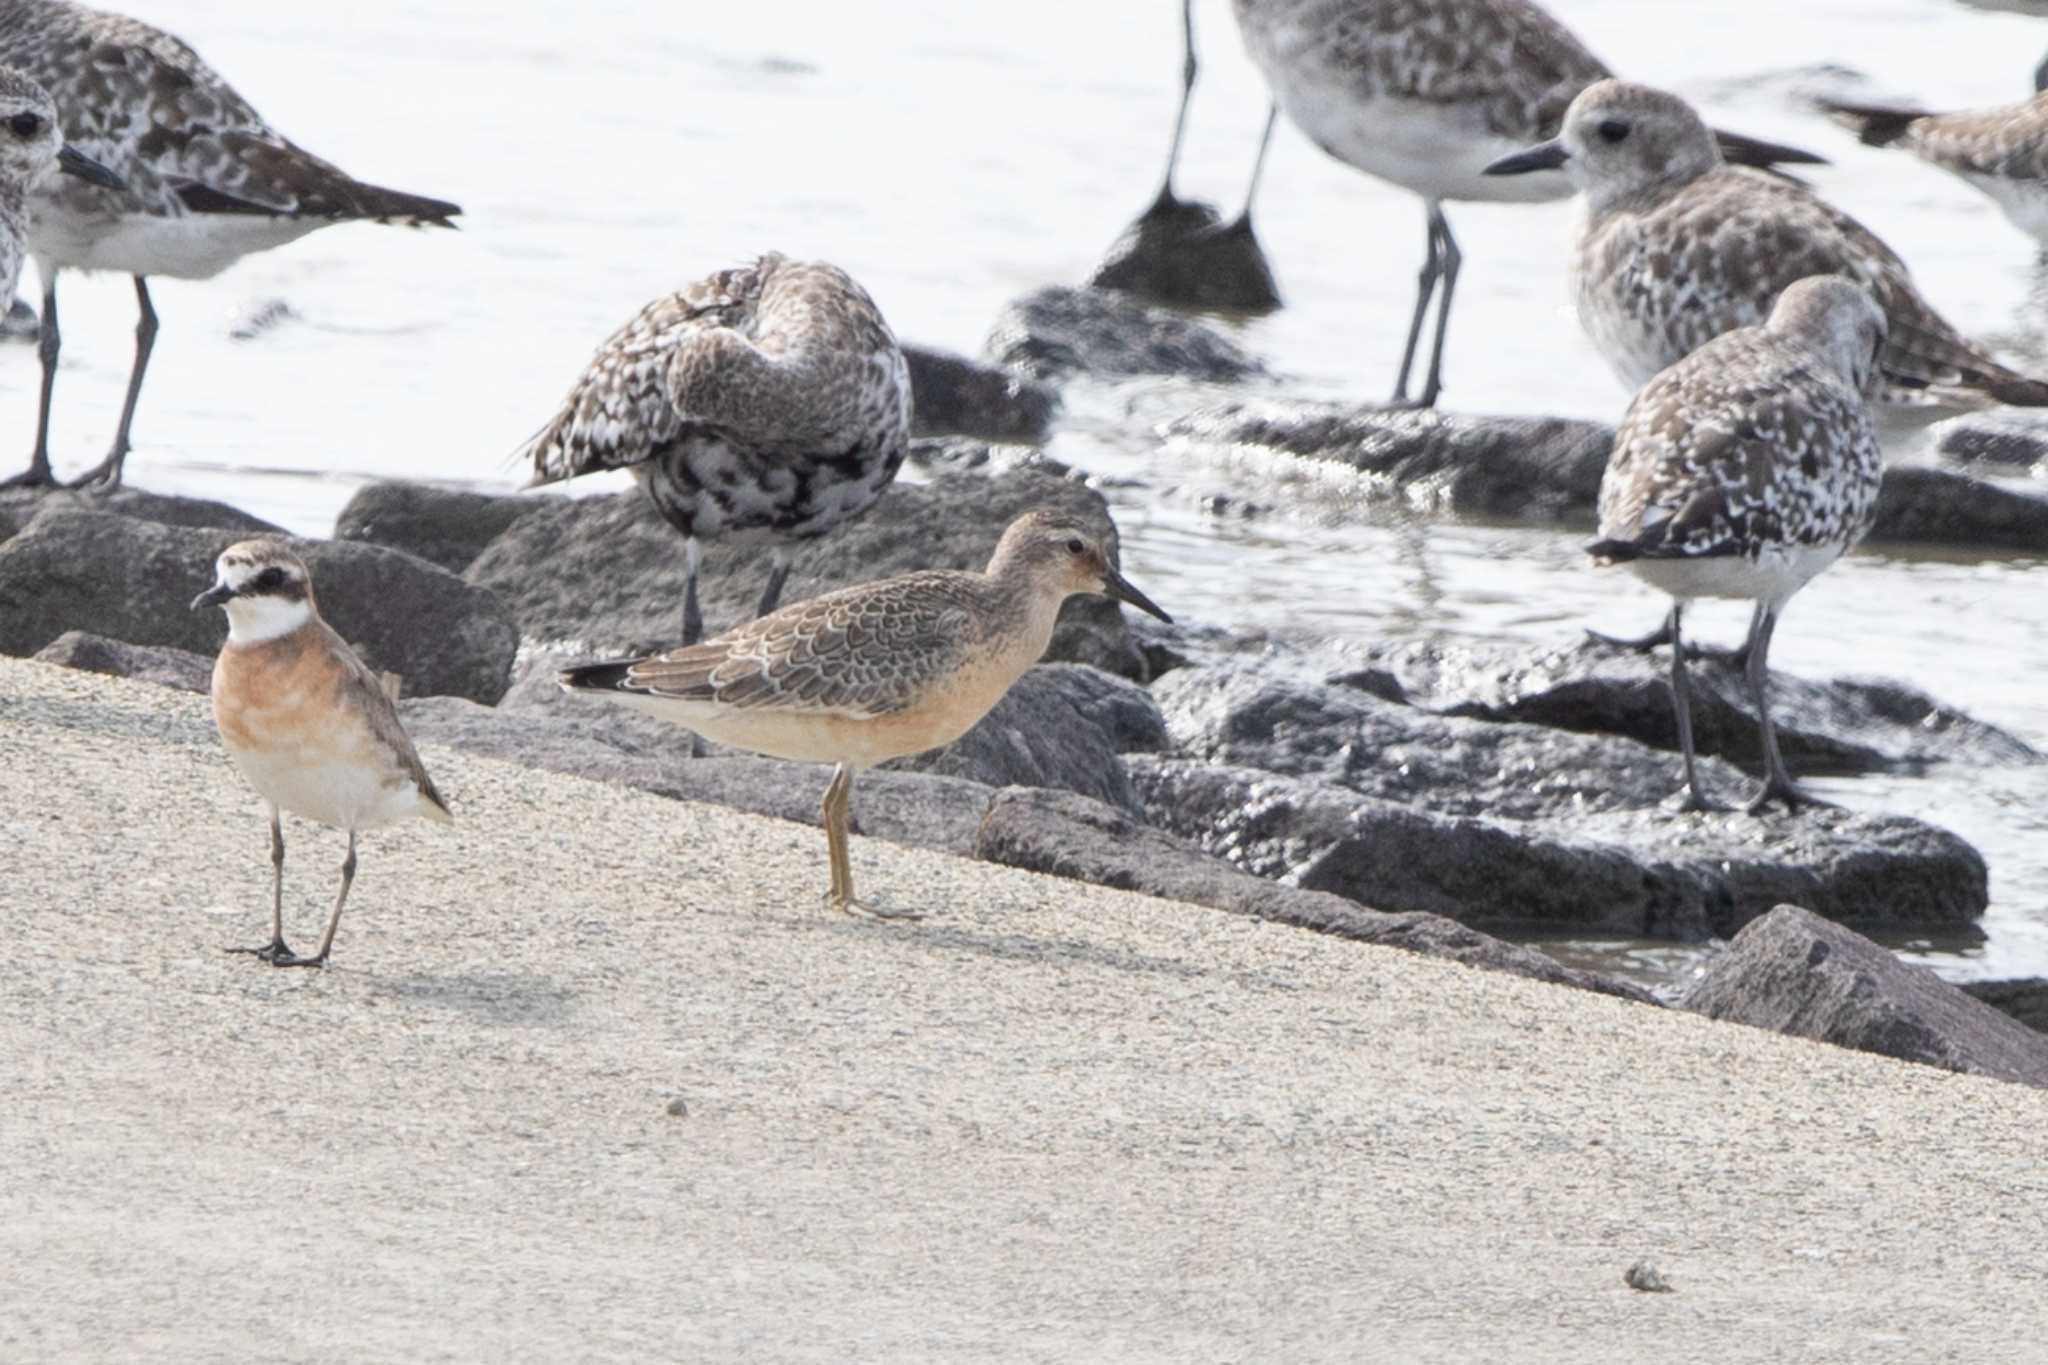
x=194, y=246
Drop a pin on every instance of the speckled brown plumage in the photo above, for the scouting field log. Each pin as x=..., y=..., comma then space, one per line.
x=2002, y=152
x=766, y=404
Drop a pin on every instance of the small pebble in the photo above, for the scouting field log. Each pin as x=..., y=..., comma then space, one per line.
x=1646, y=1277
x=678, y=1109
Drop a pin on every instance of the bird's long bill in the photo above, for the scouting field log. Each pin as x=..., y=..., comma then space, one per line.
x=213, y=596
x=1118, y=588
x=1544, y=156
x=74, y=162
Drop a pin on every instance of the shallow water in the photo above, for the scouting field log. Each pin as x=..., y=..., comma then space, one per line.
x=605, y=153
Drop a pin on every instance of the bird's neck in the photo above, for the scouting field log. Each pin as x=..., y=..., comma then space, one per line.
x=256, y=620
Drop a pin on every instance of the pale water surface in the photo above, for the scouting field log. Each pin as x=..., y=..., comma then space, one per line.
x=955, y=155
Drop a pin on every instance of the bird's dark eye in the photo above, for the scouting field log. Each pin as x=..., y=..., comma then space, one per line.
x=25, y=124
x=1075, y=547
x=269, y=580
x=1613, y=129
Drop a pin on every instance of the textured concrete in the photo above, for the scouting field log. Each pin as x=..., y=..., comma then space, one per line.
x=596, y=1078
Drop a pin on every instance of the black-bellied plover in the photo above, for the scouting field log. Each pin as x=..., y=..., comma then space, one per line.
x=208, y=181
x=876, y=671
x=2001, y=152
x=766, y=404
x=306, y=722
x=1425, y=93
x=1678, y=247
x=32, y=150
x=1745, y=469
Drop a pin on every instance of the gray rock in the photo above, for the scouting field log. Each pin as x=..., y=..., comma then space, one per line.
x=1062, y=726
x=1060, y=331
x=956, y=395
x=1794, y=972
x=19, y=506
x=1838, y=726
x=159, y=664
x=608, y=572
x=1064, y=835
x=134, y=580
x=445, y=526
x=1632, y=873
x=1938, y=507
x=1529, y=469
x=962, y=454
x=917, y=809
x=1182, y=254
x=2022, y=998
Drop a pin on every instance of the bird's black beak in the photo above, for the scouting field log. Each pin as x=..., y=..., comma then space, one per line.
x=74, y=162
x=213, y=596
x=1118, y=589
x=1544, y=156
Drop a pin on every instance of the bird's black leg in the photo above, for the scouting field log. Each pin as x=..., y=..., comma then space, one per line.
x=693, y=615
x=106, y=475
x=1778, y=783
x=276, y=949
x=319, y=958
x=1243, y=221
x=1449, y=258
x=38, y=474
x=1425, y=285
x=778, y=574
x=1681, y=701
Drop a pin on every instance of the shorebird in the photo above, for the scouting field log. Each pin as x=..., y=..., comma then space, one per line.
x=1678, y=247
x=876, y=671
x=2002, y=152
x=1423, y=94
x=32, y=149
x=1742, y=471
x=208, y=181
x=305, y=721
x=764, y=404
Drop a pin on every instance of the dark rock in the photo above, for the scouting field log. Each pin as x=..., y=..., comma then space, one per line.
x=2023, y=998
x=1064, y=835
x=956, y=395
x=1060, y=331
x=166, y=667
x=607, y=571
x=134, y=580
x=1527, y=469
x=1061, y=726
x=445, y=526
x=1182, y=254
x=1843, y=725
x=1794, y=972
x=917, y=809
x=19, y=506
x=1636, y=873
x=1938, y=507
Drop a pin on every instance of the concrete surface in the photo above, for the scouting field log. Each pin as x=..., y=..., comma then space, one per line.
x=1047, y=1123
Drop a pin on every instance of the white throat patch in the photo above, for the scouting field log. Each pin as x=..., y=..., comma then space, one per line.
x=255, y=619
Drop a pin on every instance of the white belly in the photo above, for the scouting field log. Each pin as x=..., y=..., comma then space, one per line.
x=195, y=246
x=1436, y=150
x=2025, y=202
x=1770, y=578
x=343, y=794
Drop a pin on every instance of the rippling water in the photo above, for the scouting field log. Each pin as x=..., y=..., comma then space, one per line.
x=954, y=156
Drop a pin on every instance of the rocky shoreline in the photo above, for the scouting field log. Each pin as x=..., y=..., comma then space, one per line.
x=1429, y=797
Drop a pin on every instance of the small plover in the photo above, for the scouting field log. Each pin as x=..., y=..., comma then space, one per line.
x=306, y=721
x=1744, y=470
x=877, y=671
x=1678, y=247
x=761, y=405
x=1423, y=94
x=207, y=180
x=2002, y=152
x=32, y=149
